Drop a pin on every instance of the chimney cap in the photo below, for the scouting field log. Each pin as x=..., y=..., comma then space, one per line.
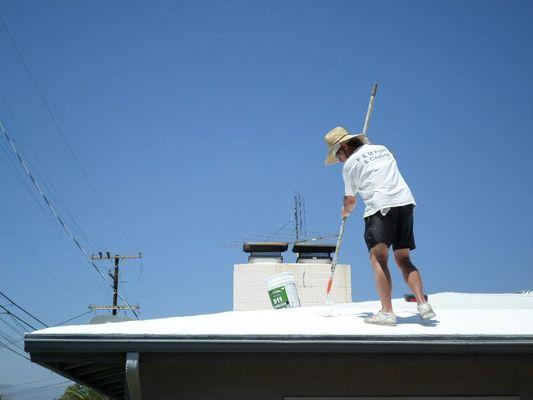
x=303, y=248
x=253, y=247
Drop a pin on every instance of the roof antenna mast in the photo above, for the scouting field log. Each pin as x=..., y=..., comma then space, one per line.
x=298, y=221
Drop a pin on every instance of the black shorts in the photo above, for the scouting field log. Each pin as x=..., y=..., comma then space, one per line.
x=395, y=228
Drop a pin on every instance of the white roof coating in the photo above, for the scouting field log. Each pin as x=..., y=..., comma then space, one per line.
x=457, y=314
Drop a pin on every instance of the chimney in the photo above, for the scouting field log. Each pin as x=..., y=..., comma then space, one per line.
x=311, y=272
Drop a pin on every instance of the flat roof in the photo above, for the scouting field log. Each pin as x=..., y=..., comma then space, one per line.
x=458, y=315
x=466, y=324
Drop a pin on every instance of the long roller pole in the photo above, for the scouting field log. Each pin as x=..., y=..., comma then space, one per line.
x=370, y=107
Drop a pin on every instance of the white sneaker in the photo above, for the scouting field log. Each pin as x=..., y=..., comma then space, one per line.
x=382, y=318
x=425, y=311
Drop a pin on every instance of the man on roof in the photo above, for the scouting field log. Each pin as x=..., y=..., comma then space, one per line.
x=370, y=170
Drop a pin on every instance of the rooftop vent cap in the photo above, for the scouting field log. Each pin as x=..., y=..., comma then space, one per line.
x=313, y=253
x=265, y=252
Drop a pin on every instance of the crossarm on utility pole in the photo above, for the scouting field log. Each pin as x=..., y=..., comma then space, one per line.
x=108, y=256
x=116, y=257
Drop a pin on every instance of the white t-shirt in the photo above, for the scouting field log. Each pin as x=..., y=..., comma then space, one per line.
x=372, y=172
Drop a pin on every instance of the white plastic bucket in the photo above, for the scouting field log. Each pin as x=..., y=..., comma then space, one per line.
x=282, y=291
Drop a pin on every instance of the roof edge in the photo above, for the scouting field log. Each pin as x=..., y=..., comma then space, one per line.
x=279, y=344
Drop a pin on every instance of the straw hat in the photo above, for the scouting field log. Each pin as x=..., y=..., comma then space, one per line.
x=334, y=138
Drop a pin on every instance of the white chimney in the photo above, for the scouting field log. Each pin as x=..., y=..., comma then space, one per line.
x=311, y=272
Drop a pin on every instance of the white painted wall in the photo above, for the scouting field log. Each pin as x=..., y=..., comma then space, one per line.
x=249, y=291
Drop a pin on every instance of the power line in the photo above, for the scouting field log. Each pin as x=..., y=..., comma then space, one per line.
x=73, y=318
x=16, y=322
x=52, y=223
x=13, y=351
x=9, y=387
x=10, y=340
x=39, y=262
x=51, y=207
x=22, y=309
x=148, y=285
x=60, y=131
x=17, y=175
x=56, y=197
x=17, y=318
x=15, y=345
x=21, y=332
x=47, y=215
x=39, y=388
x=32, y=195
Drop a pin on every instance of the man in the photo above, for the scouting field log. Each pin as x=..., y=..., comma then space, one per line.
x=371, y=171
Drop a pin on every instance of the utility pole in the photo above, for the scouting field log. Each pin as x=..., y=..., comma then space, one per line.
x=116, y=257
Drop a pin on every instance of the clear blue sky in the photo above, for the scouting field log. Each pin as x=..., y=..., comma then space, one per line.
x=196, y=122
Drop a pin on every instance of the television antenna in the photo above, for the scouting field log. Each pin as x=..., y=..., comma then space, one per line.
x=292, y=231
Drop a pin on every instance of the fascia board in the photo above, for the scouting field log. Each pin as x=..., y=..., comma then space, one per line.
x=278, y=344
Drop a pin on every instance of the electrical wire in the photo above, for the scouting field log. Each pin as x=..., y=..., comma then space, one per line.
x=18, y=318
x=148, y=285
x=54, y=193
x=9, y=387
x=13, y=351
x=39, y=388
x=200, y=286
x=78, y=163
x=60, y=131
x=16, y=322
x=25, y=245
x=51, y=207
x=17, y=175
x=73, y=318
x=10, y=340
x=279, y=230
x=41, y=207
x=22, y=309
x=18, y=332
x=39, y=262
x=56, y=198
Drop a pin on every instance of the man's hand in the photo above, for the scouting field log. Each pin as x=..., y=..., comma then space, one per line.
x=347, y=206
x=344, y=213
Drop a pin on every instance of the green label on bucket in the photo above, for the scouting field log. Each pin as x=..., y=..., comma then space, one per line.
x=279, y=298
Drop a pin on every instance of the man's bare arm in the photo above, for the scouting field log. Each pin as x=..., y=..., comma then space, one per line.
x=348, y=205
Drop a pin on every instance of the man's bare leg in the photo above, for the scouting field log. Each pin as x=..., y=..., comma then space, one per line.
x=410, y=274
x=378, y=259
